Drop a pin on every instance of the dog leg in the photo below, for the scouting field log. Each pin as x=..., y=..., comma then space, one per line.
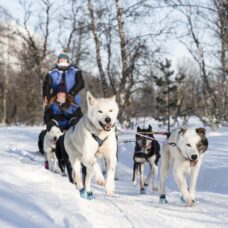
x=103, y=165
x=111, y=168
x=89, y=175
x=180, y=179
x=86, y=192
x=98, y=174
x=193, y=180
x=141, y=170
x=155, y=174
x=77, y=174
x=135, y=171
x=49, y=159
x=62, y=167
x=69, y=171
x=164, y=172
x=147, y=180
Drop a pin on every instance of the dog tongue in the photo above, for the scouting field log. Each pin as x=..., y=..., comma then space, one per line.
x=193, y=163
x=107, y=126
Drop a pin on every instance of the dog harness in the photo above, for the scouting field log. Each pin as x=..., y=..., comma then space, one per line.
x=99, y=141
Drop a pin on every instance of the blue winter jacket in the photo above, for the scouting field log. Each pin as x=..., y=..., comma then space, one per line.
x=72, y=77
x=62, y=115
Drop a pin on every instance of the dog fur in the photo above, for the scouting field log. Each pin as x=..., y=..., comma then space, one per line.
x=50, y=140
x=94, y=135
x=184, y=150
x=146, y=150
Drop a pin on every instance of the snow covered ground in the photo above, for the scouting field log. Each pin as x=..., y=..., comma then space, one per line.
x=31, y=196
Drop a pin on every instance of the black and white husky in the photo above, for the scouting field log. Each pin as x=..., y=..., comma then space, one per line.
x=50, y=139
x=184, y=149
x=146, y=150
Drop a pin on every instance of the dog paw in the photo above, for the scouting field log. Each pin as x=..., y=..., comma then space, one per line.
x=142, y=191
x=134, y=183
x=189, y=202
x=155, y=189
x=64, y=174
x=146, y=182
x=100, y=181
x=46, y=165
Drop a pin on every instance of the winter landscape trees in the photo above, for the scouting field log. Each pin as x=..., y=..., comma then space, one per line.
x=118, y=44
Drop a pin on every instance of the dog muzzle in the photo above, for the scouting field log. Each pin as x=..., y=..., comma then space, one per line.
x=193, y=163
x=106, y=126
x=54, y=141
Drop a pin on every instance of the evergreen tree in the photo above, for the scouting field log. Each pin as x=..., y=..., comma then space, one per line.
x=167, y=96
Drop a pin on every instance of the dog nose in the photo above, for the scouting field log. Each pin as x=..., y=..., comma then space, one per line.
x=194, y=157
x=55, y=138
x=108, y=120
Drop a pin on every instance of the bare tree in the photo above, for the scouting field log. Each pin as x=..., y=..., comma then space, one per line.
x=6, y=40
x=98, y=51
x=73, y=31
x=34, y=55
x=212, y=18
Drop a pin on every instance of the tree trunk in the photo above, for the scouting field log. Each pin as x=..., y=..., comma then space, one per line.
x=97, y=43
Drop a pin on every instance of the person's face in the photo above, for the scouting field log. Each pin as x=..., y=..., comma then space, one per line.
x=61, y=97
x=63, y=61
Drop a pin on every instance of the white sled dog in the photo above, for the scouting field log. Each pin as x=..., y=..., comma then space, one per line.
x=50, y=140
x=184, y=150
x=94, y=135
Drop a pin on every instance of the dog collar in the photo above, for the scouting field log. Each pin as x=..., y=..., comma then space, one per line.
x=98, y=140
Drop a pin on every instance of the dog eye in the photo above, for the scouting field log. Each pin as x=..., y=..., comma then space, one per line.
x=200, y=146
x=188, y=145
x=100, y=111
x=110, y=110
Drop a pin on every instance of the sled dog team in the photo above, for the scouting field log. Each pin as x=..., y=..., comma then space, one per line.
x=76, y=151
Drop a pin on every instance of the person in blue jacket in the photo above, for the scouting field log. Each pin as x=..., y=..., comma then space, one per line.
x=63, y=72
x=62, y=110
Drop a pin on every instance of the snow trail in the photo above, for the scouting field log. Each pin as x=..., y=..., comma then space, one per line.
x=31, y=196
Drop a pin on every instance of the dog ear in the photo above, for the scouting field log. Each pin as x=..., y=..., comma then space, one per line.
x=201, y=131
x=90, y=99
x=150, y=128
x=138, y=129
x=182, y=131
x=51, y=123
x=113, y=97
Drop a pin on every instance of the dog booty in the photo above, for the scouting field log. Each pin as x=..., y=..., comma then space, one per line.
x=182, y=199
x=163, y=199
x=142, y=191
x=46, y=166
x=86, y=195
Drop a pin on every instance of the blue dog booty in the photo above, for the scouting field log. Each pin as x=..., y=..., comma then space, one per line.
x=83, y=193
x=86, y=195
x=182, y=199
x=163, y=199
x=90, y=196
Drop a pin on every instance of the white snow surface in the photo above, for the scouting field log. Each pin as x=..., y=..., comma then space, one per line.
x=31, y=196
